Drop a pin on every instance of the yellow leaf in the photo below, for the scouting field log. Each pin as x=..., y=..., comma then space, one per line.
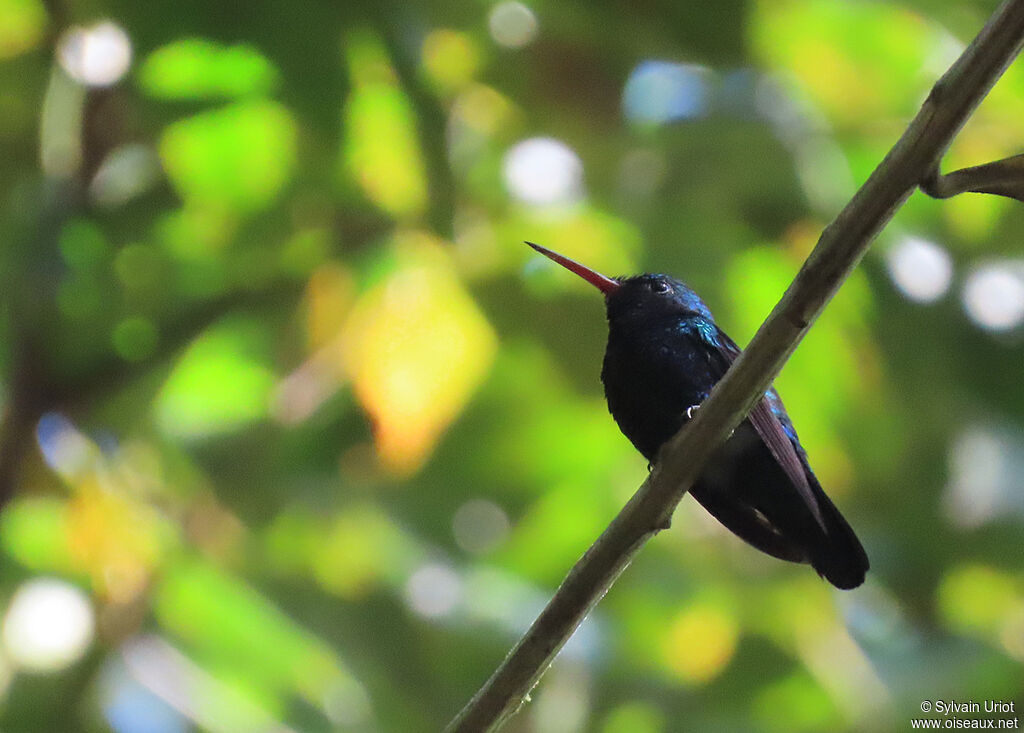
x=416, y=346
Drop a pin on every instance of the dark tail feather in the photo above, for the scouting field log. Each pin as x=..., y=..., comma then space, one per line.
x=748, y=524
x=839, y=557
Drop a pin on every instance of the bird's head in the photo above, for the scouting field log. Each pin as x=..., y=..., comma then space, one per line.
x=641, y=298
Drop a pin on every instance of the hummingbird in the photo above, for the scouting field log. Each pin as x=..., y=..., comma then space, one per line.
x=665, y=353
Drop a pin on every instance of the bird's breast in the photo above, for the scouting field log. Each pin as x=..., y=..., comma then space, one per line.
x=650, y=379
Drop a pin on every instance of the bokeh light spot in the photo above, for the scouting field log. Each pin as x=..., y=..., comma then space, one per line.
x=700, y=642
x=139, y=267
x=994, y=295
x=48, y=626
x=450, y=58
x=512, y=24
x=479, y=526
x=982, y=480
x=127, y=172
x=433, y=590
x=641, y=172
x=922, y=270
x=130, y=707
x=564, y=702
x=543, y=172
x=347, y=703
x=661, y=91
x=82, y=244
x=97, y=56
x=64, y=448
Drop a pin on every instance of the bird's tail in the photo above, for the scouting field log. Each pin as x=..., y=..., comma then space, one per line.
x=839, y=556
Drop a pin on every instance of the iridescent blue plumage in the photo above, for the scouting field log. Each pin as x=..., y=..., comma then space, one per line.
x=665, y=353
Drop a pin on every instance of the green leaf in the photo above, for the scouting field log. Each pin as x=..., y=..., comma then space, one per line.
x=196, y=68
x=238, y=157
x=220, y=384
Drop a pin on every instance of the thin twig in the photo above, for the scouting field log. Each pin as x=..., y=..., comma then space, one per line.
x=839, y=249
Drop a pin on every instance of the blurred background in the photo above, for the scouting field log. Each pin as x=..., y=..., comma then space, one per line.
x=297, y=435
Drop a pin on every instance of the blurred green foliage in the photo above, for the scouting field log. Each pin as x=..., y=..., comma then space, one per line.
x=306, y=436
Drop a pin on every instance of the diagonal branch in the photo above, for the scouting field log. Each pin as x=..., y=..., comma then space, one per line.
x=839, y=249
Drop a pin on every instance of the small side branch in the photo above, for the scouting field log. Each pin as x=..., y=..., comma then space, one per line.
x=1002, y=178
x=838, y=251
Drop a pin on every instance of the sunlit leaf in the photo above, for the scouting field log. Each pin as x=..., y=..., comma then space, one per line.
x=859, y=61
x=634, y=717
x=557, y=528
x=34, y=532
x=196, y=68
x=795, y=703
x=195, y=232
x=972, y=216
x=416, y=346
x=233, y=626
x=22, y=26
x=360, y=549
x=381, y=149
x=979, y=599
x=238, y=157
x=450, y=58
x=800, y=605
x=221, y=383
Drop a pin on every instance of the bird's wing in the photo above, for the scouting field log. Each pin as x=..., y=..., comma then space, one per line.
x=771, y=430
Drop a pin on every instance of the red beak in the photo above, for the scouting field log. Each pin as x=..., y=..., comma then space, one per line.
x=605, y=284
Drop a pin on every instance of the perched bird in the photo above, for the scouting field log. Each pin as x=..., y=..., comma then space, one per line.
x=665, y=353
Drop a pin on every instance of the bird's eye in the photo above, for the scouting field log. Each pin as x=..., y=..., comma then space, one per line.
x=660, y=286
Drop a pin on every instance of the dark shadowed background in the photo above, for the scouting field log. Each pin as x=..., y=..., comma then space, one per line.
x=297, y=435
